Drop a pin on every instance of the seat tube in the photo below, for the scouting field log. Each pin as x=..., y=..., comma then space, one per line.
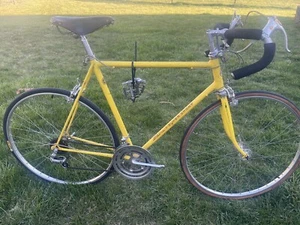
x=112, y=105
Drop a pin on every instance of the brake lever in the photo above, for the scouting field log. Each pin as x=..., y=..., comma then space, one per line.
x=272, y=25
x=236, y=21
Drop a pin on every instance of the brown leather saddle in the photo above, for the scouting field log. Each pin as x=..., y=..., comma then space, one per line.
x=82, y=25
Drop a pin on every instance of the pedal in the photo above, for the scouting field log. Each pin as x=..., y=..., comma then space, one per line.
x=133, y=89
x=135, y=162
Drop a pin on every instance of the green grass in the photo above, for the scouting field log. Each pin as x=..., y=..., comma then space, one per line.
x=34, y=54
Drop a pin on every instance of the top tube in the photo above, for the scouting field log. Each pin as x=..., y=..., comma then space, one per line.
x=154, y=64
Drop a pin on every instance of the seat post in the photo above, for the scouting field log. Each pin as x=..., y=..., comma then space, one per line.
x=87, y=47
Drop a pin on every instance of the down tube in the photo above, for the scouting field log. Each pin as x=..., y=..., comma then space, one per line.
x=180, y=115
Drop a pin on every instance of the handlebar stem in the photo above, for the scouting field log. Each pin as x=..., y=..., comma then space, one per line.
x=211, y=34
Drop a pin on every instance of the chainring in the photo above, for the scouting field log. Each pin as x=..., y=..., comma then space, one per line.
x=123, y=162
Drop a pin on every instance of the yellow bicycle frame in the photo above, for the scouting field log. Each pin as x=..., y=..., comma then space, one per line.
x=95, y=68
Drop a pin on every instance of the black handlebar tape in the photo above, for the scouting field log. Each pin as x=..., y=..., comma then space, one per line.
x=221, y=26
x=269, y=52
x=254, y=34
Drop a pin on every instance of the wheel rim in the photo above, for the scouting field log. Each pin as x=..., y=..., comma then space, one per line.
x=29, y=116
x=225, y=174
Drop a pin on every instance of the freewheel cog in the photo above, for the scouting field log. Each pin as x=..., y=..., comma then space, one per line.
x=131, y=162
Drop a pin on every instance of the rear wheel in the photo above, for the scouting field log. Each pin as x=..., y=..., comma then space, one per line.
x=32, y=124
x=266, y=127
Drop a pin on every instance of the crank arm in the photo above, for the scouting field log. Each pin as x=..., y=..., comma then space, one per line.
x=135, y=162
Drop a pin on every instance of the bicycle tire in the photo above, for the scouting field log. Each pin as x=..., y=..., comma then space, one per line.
x=32, y=124
x=266, y=126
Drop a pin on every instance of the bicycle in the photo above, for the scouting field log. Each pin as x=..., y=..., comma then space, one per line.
x=233, y=149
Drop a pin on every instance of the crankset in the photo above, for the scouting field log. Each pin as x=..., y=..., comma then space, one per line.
x=134, y=162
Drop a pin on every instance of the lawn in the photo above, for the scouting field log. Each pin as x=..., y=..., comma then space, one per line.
x=34, y=54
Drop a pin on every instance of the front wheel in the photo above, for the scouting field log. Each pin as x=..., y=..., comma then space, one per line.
x=32, y=124
x=266, y=127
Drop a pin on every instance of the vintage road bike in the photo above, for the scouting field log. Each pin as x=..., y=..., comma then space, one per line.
x=242, y=145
